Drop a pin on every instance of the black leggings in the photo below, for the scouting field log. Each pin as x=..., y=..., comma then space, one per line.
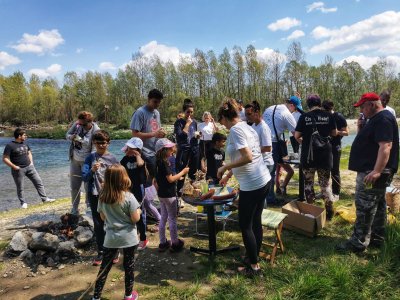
x=251, y=205
x=129, y=267
x=98, y=223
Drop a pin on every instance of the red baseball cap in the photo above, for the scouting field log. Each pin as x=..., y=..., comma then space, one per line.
x=367, y=97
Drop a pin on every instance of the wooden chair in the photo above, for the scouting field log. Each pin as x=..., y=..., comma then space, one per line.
x=273, y=220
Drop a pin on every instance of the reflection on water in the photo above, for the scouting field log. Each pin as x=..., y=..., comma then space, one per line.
x=51, y=161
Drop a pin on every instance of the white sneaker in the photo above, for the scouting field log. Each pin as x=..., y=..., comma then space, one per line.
x=24, y=206
x=48, y=200
x=335, y=198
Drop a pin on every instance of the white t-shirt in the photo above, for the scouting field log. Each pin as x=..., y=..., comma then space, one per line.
x=242, y=114
x=264, y=135
x=207, y=130
x=391, y=110
x=283, y=120
x=254, y=175
x=296, y=115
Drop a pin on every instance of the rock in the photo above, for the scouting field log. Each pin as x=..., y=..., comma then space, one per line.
x=82, y=235
x=20, y=241
x=60, y=267
x=27, y=287
x=86, y=221
x=44, y=241
x=43, y=273
x=50, y=262
x=174, y=263
x=40, y=253
x=5, y=275
x=66, y=248
x=28, y=257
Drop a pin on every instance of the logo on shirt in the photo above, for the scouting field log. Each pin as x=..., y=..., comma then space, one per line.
x=131, y=166
x=218, y=156
x=153, y=124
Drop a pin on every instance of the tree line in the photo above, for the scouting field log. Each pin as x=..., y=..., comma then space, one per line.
x=204, y=77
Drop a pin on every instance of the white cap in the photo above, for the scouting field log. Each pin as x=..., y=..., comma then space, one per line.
x=133, y=143
x=164, y=143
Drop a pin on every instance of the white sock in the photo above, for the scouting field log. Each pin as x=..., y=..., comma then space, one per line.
x=130, y=296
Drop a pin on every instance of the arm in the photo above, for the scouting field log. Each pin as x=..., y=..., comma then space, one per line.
x=30, y=157
x=102, y=216
x=266, y=149
x=135, y=215
x=139, y=159
x=143, y=135
x=298, y=136
x=172, y=178
x=181, y=134
x=343, y=131
x=334, y=132
x=381, y=161
x=71, y=133
x=7, y=161
x=245, y=157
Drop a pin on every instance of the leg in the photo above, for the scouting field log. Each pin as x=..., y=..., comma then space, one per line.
x=163, y=220
x=18, y=177
x=75, y=173
x=170, y=205
x=323, y=180
x=142, y=227
x=33, y=175
x=104, y=270
x=129, y=267
x=289, y=174
x=309, y=184
x=97, y=222
x=335, y=172
x=378, y=225
x=257, y=226
x=278, y=178
x=149, y=207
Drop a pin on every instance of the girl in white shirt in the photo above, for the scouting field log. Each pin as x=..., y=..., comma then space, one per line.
x=207, y=128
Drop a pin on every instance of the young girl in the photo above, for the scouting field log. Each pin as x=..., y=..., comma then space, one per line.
x=120, y=211
x=167, y=195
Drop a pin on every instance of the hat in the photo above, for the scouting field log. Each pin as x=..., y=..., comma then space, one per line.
x=366, y=98
x=133, y=143
x=296, y=101
x=164, y=143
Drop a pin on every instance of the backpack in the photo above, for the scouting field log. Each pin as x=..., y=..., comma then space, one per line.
x=320, y=149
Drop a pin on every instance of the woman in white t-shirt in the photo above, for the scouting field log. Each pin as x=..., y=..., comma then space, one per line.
x=246, y=163
x=207, y=128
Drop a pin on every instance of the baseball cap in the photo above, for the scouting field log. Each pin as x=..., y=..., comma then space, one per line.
x=133, y=143
x=366, y=98
x=164, y=143
x=296, y=101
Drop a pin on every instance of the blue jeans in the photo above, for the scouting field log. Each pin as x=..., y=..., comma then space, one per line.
x=271, y=199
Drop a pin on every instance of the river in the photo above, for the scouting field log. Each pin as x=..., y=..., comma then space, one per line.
x=51, y=161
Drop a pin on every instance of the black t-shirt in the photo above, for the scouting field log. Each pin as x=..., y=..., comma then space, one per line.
x=364, y=151
x=325, y=123
x=215, y=158
x=136, y=174
x=18, y=153
x=340, y=123
x=165, y=189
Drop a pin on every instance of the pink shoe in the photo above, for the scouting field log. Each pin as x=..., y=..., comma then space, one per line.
x=143, y=245
x=134, y=296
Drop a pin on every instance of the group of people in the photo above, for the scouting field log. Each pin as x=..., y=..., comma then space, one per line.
x=119, y=193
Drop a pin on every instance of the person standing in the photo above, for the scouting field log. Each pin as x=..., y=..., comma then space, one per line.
x=385, y=98
x=246, y=163
x=80, y=135
x=374, y=155
x=18, y=156
x=342, y=130
x=207, y=128
x=146, y=125
x=316, y=123
x=241, y=110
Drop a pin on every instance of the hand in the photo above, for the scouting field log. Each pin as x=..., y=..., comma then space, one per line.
x=16, y=168
x=160, y=133
x=224, y=181
x=297, y=94
x=185, y=170
x=204, y=170
x=135, y=153
x=372, y=177
x=139, y=211
x=221, y=172
x=189, y=121
x=95, y=167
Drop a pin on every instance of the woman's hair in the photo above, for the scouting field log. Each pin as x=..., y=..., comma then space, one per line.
x=254, y=105
x=101, y=136
x=162, y=154
x=85, y=115
x=327, y=105
x=205, y=114
x=187, y=103
x=116, y=182
x=228, y=109
x=313, y=100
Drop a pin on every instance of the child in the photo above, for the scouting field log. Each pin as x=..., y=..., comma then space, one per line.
x=135, y=166
x=120, y=211
x=215, y=157
x=93, y=173
x=167, y=195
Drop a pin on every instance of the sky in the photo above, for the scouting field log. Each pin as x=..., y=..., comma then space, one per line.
x=50, y=38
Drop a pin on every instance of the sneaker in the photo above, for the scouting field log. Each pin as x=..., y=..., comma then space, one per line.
x=134, y=296
x=335, y=198
x=97, y=260
x=178, y=246
x=116, y=258
x=143, y=245
x=48, y=200
x=162, y=247
x=348, y=247
x=24, y=205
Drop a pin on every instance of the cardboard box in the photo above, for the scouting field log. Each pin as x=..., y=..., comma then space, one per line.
x=299, y=222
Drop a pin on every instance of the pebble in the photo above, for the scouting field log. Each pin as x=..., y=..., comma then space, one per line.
x=5, y=275
x=60, y=267
x=27, y=287
x=174, y=263
x=43, y=273
x=113, y=280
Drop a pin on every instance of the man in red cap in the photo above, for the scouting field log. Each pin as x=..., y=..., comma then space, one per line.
x=374, y=156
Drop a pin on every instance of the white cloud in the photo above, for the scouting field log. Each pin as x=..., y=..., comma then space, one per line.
x=295, y=35
x=377, y=33
x=164, y=52
x=43, y=73
x=116, y=48
x=268, y=54
x=7, y=60
x=107, y=66
x=45, y=41
x=367, y=61
x=79, y=50
x=321, y=7
x=284, y=24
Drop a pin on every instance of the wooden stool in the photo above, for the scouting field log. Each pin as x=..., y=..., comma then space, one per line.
x=273, y=220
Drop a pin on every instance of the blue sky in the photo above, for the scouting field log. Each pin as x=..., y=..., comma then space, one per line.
x=49, y=38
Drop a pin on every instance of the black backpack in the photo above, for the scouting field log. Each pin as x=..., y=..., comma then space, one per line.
x=320, y=149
